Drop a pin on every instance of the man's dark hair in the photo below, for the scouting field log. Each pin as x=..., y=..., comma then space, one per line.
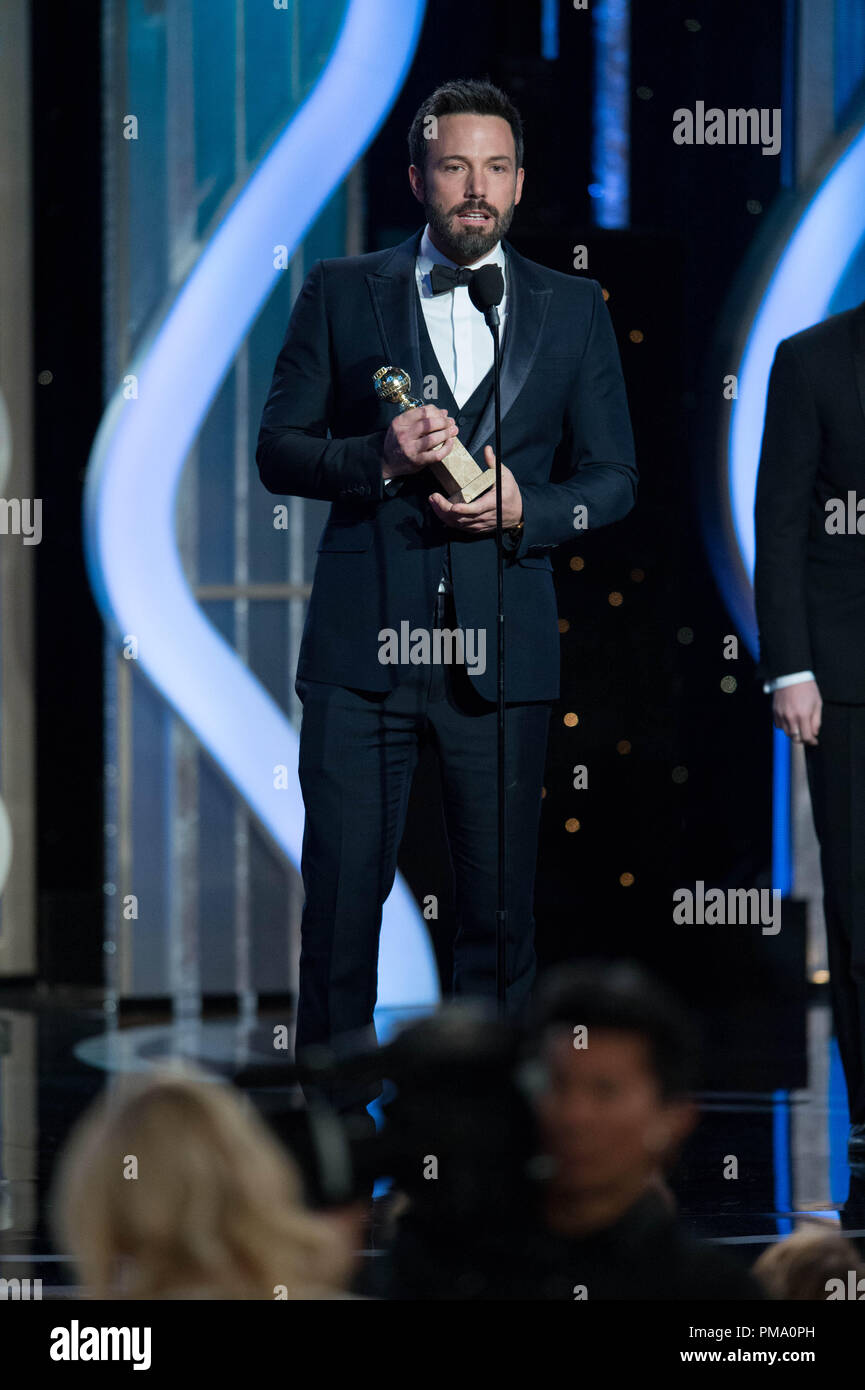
x=623, y=998
x=464, y=97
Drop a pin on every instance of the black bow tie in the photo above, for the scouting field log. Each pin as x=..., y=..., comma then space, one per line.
x=446, y=277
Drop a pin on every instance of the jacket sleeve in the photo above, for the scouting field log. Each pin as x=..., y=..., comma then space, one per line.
x=785, y=487
x=294, y=453
x=604, y=474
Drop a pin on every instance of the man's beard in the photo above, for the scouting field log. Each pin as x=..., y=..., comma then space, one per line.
x=466, y=244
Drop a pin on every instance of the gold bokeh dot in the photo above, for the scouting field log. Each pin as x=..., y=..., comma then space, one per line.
x=605, y=293
x=572, y=824
x=577, y=562
x=636, y=335
x=623, y=745
x=543, y=792
x=564, y=625
x=626, y=880
x=820, y=977
x=615, y=599
x=571, y=720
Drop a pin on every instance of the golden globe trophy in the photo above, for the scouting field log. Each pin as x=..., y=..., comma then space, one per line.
x=462, y=479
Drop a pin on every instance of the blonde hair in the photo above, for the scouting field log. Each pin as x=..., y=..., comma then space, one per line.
x=800, y=1266
x=212, y=1207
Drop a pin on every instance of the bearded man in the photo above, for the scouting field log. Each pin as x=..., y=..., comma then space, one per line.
x=396, y=550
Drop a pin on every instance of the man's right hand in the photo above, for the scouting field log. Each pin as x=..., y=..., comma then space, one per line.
x=798, y=709
x=417, y=438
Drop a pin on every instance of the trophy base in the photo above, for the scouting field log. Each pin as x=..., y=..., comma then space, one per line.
x=485, y=480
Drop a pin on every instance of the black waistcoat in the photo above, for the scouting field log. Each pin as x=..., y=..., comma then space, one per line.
x=435, y=390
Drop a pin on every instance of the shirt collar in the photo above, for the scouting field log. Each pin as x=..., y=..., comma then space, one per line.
x=429, y=255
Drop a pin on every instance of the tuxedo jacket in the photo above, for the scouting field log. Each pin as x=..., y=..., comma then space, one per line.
x=809, y=585
x=566, y=436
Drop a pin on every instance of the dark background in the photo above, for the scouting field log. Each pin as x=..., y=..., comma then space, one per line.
x=66, y=119
x=626, y=672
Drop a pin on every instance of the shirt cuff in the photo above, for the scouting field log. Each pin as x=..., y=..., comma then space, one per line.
x=780, y=681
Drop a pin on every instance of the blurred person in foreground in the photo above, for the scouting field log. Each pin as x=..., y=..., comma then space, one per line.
x=618, y=1056
x=816, y=1263
x=551, y=1148
x=172, y=1186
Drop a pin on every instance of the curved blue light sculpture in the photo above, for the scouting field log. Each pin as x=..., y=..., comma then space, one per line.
x=142, y=444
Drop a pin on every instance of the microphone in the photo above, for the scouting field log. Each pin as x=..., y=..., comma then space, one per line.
x=486, y=291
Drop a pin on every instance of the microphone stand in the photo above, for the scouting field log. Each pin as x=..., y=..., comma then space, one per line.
x=486, y=291
x=491, y=315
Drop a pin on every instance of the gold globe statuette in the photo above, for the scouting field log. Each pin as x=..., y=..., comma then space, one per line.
x=462, y=479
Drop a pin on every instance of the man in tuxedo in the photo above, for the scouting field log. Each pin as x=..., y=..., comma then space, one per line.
x=396, y=550
x=809, y=587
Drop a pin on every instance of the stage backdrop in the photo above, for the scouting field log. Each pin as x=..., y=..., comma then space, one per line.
x=200, y=900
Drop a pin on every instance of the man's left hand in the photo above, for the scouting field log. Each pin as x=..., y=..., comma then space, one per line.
x=478, y=518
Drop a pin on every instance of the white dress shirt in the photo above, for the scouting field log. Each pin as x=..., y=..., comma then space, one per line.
x=780, y=681
x=460, y=336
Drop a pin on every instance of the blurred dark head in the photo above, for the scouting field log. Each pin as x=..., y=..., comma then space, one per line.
x=619, y=1058
x=460, y=1132
x=458, y=1129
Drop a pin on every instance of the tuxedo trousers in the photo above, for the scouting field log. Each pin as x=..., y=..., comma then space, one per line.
x=836, y=778
x=358, y=753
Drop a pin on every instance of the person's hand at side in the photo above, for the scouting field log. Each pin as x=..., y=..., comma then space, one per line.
x=798, y=709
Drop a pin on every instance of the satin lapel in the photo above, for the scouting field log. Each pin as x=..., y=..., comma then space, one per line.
x=858, y=327
x=528, y=302
x=395, y=304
